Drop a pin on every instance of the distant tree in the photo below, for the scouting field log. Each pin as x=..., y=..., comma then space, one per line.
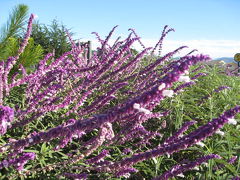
x=15, y=25
x=31, y=55
x=51, y=37
x=11, y=35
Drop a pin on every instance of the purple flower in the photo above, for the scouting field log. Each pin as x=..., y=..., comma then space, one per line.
x=159, y=43
x=19, y=162
x=27, y=35
x=178, y=169
x=6, y=117
x=133, y=31
x=198, y=75
x=198, y=68
x=232, y=159
x=180, y=87
x=1, y=81
x=125, y=171
x=180, y=132
x=236, y=178
x=98, y=158
x=221, y=88
x=127, y=151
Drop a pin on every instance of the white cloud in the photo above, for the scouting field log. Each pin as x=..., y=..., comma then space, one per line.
x=214, y=48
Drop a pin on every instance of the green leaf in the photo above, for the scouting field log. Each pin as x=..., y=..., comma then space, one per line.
x=43, y=148
x=31, y=150
x=15, y=23
x=64, y=155
x=230, y=167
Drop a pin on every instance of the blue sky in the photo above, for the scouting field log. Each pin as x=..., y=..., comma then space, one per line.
x=212, y=26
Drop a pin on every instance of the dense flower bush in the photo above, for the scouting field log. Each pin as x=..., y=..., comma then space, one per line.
x=71, y=113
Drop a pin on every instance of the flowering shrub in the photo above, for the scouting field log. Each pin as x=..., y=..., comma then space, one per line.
x=73, y=115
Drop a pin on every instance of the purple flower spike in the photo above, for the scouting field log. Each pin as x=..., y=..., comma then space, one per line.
x=178, y=169
x=180, y=132
x=232, y=160
x=27, y=35
x=127, y=151
x=180, y=87
x=98, y=158
x=159, y=43
x=6, y=117
x=135, y=34
x=198, y=68
x=125, y=172
x=23, y=160
x=198, y=75
x=19, y=162
x=221, y=88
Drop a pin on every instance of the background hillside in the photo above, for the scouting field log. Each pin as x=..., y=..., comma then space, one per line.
x=225, y=59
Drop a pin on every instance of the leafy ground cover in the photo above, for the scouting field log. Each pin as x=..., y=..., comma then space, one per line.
x=118, y=115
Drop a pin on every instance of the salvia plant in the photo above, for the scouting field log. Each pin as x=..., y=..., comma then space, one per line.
x=82, y=118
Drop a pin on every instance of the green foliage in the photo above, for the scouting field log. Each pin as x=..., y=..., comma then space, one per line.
x=51, y=37
x=11, y=36
x=10, y=49
x=31, y=55
x=15, y=24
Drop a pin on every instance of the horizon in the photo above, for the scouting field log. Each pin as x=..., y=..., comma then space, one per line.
x=211, y=26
